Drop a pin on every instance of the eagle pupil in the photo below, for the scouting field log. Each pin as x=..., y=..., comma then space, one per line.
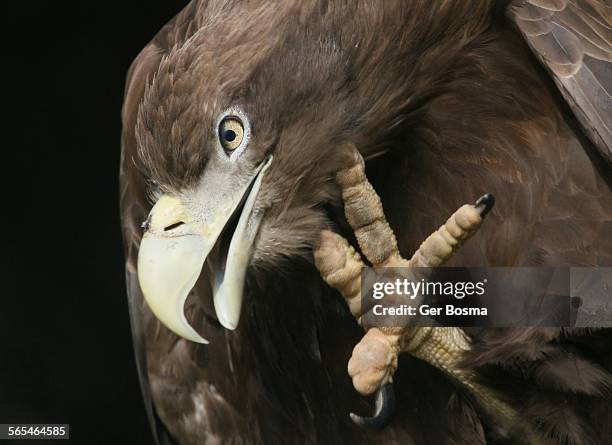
x=229, y=135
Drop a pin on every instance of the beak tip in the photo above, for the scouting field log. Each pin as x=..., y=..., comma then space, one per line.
x=228, y=324
x=186, y=331
x=201, y=340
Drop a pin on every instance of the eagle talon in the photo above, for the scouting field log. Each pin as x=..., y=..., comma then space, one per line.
x=484, y=204
x=374, y=359
x=385, y=407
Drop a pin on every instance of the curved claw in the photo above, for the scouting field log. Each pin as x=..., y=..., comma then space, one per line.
x=484, y=204
x=385, y=407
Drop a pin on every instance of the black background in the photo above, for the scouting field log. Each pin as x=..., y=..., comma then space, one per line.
x=65, y=343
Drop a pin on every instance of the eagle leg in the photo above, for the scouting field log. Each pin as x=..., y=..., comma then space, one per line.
x=374, y=358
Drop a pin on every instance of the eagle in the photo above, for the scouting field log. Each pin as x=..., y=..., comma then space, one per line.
x=237, y=118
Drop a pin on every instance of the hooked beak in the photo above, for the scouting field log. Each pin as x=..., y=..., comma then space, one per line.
x=176, y=244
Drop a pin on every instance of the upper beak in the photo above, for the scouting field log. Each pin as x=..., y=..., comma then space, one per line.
x=176, y=243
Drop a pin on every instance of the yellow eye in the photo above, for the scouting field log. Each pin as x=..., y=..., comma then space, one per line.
x=231, y=133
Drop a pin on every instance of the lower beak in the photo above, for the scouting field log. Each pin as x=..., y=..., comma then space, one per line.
x=176, y=244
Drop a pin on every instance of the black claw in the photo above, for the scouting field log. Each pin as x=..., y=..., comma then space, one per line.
x=488, y=201
x=385, y=407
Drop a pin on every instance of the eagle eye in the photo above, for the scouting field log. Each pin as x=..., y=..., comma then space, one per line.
x=231, y=133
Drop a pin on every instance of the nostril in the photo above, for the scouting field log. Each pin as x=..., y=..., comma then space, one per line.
x=173, y=226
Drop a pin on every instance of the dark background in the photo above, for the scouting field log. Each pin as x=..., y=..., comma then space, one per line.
x=65, y=343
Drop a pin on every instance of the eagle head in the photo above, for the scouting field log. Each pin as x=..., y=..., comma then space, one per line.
x=239, y=132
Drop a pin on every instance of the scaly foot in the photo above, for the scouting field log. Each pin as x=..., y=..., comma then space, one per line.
x=374, y=358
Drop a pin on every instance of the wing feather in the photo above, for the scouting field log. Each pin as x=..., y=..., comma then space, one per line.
x=573, y=40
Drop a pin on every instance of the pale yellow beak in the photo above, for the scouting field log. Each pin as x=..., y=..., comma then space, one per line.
x=177, y=241
x=169, y=266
